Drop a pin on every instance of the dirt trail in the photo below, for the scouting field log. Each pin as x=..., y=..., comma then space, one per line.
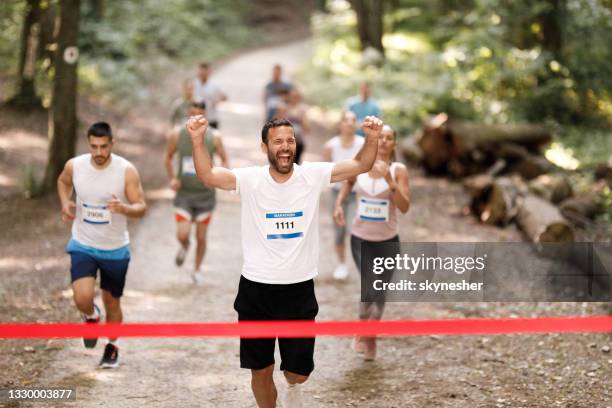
x=503, y=371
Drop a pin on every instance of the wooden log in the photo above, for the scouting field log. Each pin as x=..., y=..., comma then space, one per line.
x=532, y=166
x=444, y=140
x=467, y=136
x=551, y=187
x=410, y=149
x=434, y=142
x=496, y=202
x=476, y=184
x=541, y=221
x=603, y=171
x=586, y=204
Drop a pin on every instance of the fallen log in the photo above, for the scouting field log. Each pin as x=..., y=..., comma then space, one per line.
x=444, y=139
x=551, y=187
x=541, y=221
x=603, y=171
x=586, y=204
x=532, y=166
x=496, y=201
x=410, y=149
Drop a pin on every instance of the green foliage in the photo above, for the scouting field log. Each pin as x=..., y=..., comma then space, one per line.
x=486, y=60
x=11, y=20
x=136, y=40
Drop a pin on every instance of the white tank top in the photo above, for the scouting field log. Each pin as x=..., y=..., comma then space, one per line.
x=94, y=224
x=339, y=153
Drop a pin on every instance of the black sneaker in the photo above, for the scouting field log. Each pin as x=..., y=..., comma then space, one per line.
x=110, y=359
x=91, y=343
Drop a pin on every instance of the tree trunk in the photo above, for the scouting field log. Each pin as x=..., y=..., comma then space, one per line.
x=552, y=23
x=62, y=115
x=542, y=222
x=369, y=23
x=25, y=96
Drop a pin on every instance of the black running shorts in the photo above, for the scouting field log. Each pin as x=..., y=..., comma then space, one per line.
x=263, y=301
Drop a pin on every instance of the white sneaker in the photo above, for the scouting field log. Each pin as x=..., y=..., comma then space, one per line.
x=198, y=278
x=293, y=396
x=341, y=272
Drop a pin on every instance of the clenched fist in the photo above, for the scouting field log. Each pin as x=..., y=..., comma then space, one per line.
x=196, y=127
x=372, y=126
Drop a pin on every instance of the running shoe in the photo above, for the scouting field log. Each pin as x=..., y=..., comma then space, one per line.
x=293, y=396
x=110, y=359
x=180, y=256
x=198, y=278
x=341, y=272
x=91, y=343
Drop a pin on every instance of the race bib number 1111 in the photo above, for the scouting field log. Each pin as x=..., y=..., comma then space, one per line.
x=284, y=225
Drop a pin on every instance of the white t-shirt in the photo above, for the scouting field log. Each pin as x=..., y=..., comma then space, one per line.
x=208, y=92
x=280, y=222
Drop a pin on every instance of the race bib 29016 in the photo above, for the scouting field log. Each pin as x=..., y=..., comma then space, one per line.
x=95, y=214
x=284, y=225
x=372, y=209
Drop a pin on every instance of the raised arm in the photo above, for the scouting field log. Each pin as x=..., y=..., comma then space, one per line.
x=217, y=177
x=364, y=159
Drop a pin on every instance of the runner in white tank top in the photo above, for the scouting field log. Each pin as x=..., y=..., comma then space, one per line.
x=380, y=194
x=108, y=191
x=338, y=148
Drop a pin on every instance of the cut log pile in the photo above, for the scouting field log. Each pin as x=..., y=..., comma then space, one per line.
x=507, y=176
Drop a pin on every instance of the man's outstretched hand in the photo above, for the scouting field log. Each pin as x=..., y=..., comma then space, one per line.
x=372, y=126
x=196, y=127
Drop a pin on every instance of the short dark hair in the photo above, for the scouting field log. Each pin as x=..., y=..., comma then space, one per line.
x=100, y=129
x=204, y=65
x=199, y=105
x=274, y=123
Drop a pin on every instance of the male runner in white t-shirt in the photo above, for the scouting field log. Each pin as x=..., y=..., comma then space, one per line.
x=280, y=242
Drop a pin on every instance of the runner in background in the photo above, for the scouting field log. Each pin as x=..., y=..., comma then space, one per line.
x=206, y=90
x=363, y=105
x=297, y=115
x=180, y=107
x=280, y=243
x=194, y=202
x=275, y=92
x=108, y=191
x=339, y=148
x=381, y=193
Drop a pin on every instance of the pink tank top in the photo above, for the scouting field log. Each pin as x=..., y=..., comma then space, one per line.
x=376, y=215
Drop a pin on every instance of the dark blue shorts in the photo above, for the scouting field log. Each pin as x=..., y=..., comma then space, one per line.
x=112, y=272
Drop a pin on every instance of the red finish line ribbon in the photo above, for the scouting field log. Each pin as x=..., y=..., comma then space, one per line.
x=269, y=329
